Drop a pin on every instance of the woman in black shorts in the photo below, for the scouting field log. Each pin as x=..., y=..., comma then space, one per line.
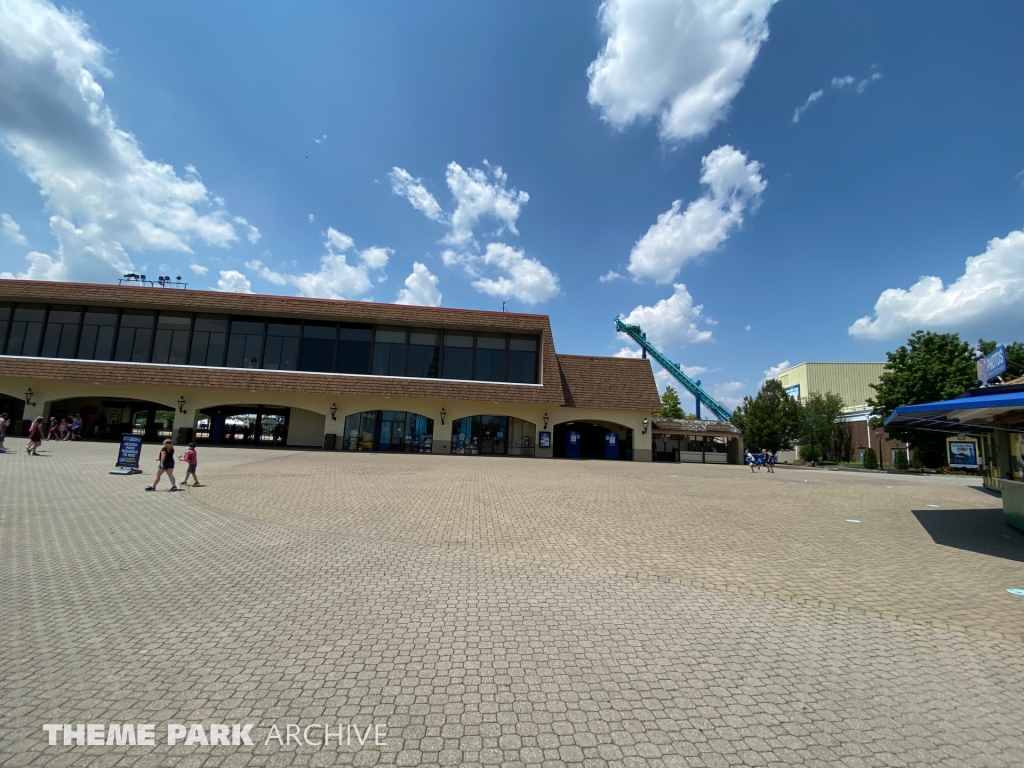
x=165, y=466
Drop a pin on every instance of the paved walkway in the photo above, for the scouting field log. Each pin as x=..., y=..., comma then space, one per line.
x=511, y=612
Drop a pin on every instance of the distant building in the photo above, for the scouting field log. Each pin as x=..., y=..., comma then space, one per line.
x=852, y=382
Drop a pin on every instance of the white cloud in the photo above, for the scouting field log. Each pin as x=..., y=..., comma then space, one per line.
x=729, y=394
x=478, y=194
x=336, y=278
x=746, y=327
x=404, y=185
x=233, y=281
x=106, y=197
x=420, y=288
x=609, y=276
x=680, y=236
x=634, y=352
x=679, y=61
x=40, y=267
x=311, y=218
x=774, y=371
x=477, y=198
x=525, y=279
x=671, y=321
x=847, y=80
x=320, y=140
x=376, y=257
x=252, y=234
x=799, y=111
x=199, y=269
x=13, y=230
x=988, y=295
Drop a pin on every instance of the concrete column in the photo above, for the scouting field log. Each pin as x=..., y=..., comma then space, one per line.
x=442, y=436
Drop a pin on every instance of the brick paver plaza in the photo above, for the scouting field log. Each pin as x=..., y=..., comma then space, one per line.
x=508, y=612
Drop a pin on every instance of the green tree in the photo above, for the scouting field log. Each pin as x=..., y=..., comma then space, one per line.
x=870, y=459
x=739, y=416
x=772, y=418
x=929, y=367
x=1014, y=357
x=670, y=407
x=819, y=414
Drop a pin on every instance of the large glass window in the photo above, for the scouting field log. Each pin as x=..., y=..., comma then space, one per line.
x=388, y=431
x=474, y=435
x=318, y=342
x=458, y=356
x=245, y=345
x=522, y=360
x=389, y=352
x=209, y=340
x=490, y=357
x=282, y=352
x=61, y=337
x=5, y=321
x=170, y=346
x=99, y=329
x=135, y=336
x=353, y=350
x=26, y=331
x=423, y=354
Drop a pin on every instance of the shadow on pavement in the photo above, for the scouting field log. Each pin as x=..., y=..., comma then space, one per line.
x=976, y=530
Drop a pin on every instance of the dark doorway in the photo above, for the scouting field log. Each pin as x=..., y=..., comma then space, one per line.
x=593, y=441
x=244, y=425
x=108, y=419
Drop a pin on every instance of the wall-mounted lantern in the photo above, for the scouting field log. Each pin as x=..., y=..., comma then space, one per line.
x=443, y=414
x=181, y=405
x=28, y=397
x=334, y=411
x=545, y=419
x=645, y=427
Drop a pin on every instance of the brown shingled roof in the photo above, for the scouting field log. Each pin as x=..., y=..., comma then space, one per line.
x=608, y=382
x=572, y=380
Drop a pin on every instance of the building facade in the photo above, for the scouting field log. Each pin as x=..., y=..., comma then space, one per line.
x=852, y=382
x=271, y=370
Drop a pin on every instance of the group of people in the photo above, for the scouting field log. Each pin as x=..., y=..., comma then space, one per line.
x=66, y=429
x=758, y=460
x=165, y=465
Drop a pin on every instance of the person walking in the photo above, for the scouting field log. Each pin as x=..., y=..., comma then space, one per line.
x=191, y=458
x=769, y=461
x=51, y=433
x=76, y=427
x=5, y=422
x=165, y=466
x=62, y=430
x=35, y=437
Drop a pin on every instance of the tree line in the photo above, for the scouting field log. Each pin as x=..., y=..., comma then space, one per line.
x=929, y=367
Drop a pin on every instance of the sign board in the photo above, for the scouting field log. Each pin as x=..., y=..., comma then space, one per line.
x=962, y=454
x=793, y=391
x=128, y=455
x=545, y=440
x=992, y=365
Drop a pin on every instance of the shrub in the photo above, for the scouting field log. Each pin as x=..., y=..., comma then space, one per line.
x=870, y=459
x=901, y=460
x=810, y=455
x=916, y=463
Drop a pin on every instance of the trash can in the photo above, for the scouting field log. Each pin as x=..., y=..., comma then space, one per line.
x=185, y=435
x=330, y=441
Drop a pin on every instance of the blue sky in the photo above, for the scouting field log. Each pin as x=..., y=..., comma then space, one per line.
x=466, y=153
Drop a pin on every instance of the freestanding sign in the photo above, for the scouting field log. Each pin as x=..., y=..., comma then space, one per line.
x=992, y=364
x=128, y=456
x=962, y=453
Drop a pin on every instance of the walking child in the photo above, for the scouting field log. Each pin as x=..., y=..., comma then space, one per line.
x=35, y=437
x=192, y=459
x=165, y=466
x=4, y=423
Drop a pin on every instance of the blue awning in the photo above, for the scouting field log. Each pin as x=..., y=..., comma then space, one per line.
x=962, y=414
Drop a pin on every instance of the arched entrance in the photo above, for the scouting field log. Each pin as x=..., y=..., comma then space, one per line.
x=248, y=425
x=14, y=407
x=593, y=440
x=109, y=418
x=388, y=431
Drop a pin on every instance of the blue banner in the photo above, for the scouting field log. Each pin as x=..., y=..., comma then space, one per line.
x=130, y=451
